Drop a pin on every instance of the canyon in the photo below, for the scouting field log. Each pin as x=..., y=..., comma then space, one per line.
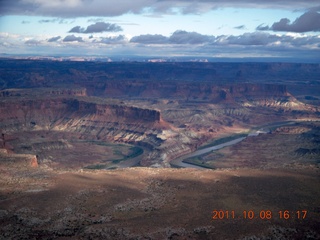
x=167, y=128
x=81, y=133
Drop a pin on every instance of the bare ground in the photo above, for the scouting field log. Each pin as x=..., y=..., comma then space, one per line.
x=138, y=203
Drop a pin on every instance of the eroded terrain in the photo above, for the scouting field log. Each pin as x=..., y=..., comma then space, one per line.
x=71, y=133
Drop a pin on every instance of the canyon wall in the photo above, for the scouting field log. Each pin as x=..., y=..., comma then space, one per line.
x=212, y=82
x=192, y=90
x=89, y=119
x=94, y=75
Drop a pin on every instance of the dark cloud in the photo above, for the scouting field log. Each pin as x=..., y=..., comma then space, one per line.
x=113, y=40
x=25, y=22
x=261, y=39
x=72, y=38
x=178, y=37
x=183, y=37
x=68, y=8
x=54, y=39
x=317, y=8
x=19, y=7
x=304, y=41
x=32, y=42
x=262, y=27
x=95, y=20
x=99, y=8
x=150, y=39
x=255, y=39
x=240, y=27
x=63, y=21
x=102, y=27
x=48, y=21
x=257, y=44
x=76, y=29
x=307, y=22
x=55, y=20
x=97, y=28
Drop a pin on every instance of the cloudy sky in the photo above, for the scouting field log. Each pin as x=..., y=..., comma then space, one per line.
x=165, y=28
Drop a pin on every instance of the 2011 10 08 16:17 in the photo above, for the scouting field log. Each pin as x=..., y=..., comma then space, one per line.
x=262, y=214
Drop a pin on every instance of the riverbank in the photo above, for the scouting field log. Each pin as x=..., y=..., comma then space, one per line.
x=193, y=160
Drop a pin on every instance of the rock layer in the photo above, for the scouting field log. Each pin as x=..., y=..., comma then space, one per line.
x=89, y=119
x=191, y=91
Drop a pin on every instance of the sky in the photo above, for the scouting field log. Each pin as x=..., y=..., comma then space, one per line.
x=162, y=28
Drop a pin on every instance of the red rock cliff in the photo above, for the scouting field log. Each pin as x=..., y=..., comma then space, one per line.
x=31, y=113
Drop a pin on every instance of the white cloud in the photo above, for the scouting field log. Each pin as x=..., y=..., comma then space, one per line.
x=180, y=43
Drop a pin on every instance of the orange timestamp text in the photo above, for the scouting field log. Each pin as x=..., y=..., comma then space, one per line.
x=262, y=214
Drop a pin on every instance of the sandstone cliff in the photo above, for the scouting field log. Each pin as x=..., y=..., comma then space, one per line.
x=91, y=120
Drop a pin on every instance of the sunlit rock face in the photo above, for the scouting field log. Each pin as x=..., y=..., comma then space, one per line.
x=88, y=119
x=50, y=113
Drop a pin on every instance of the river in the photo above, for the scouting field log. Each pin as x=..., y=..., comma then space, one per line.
x=178, y=162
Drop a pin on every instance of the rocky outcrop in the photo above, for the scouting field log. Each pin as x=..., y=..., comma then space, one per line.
x=34, y=161
x=258, y=90
x=126, y=113
x=18, y=160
